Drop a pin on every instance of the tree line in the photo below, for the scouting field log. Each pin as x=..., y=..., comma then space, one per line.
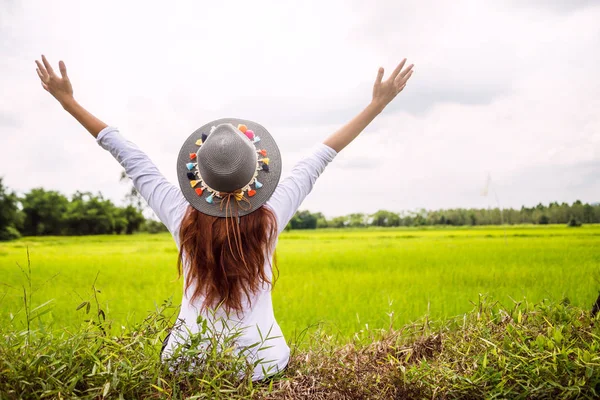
x=554, y=213
x=47, y=212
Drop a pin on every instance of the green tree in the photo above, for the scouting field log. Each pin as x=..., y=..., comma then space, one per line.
x=90, y=215
x=379, y=218
x=385, y=218
x=133, y=217
x=393, y=219
x=153, y=226
x=10, y=215
x=543, y=219
x=577, y=211
x=120, y=222
x=339, y=222
x=44, y=212
x=588, y=214
x=419, y=220
x=357, y=220
x=321, y=221
x=304, y=220
x=472, y=218
x=573, y=222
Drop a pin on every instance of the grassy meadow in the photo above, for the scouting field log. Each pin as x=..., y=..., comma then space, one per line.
x=345, y=280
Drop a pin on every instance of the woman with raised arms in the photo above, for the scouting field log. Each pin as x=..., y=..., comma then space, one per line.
x=226, y=212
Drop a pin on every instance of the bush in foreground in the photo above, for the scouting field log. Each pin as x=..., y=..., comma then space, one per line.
x=546, y=350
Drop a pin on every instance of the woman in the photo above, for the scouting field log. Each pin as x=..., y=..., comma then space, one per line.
x=227, y=213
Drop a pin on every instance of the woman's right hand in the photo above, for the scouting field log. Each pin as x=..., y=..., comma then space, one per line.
x=58, y=86
x=385, y=91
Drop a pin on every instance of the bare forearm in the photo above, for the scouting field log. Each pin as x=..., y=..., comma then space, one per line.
x=85, y=118
x=60, y=87
x=347, y=133
x=383, y=93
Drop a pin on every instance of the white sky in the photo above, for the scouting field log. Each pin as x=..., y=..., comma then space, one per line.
x=509, y=89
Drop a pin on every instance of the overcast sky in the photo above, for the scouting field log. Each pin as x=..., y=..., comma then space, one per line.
x=507, y=88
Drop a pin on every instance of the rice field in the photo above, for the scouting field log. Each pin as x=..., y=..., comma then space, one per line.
x=345, y=280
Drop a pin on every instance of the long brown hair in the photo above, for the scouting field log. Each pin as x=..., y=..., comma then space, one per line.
x=226, y=256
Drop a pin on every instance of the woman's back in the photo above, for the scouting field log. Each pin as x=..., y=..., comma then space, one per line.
x=222, y=174
x=256, y=331
x=257, y=320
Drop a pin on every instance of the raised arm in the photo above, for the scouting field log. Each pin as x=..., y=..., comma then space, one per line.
x=290, y=193
x=60, y=87
x=383, y=93
x=165, y=199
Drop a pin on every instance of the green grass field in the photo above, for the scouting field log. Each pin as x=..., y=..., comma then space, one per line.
x=346, y=279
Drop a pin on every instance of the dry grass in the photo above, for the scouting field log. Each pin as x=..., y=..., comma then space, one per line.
x=529, y=351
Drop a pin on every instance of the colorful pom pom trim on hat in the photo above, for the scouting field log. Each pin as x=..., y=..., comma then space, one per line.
x=249, y=134
x=196, y=181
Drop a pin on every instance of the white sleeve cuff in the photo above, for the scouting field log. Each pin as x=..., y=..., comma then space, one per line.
x=322, y=149
x=104, y=132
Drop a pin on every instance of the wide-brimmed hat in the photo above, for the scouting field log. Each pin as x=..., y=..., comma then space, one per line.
x=229, y=167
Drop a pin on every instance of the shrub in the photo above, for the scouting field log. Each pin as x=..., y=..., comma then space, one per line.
x=9, y=233
x=152, y=226
x=543, y=220
x=574, y=222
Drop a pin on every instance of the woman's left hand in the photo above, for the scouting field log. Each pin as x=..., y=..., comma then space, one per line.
x=385, y=91
x=58, y=86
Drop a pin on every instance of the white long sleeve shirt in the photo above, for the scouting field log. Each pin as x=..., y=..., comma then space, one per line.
x=169, y=204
